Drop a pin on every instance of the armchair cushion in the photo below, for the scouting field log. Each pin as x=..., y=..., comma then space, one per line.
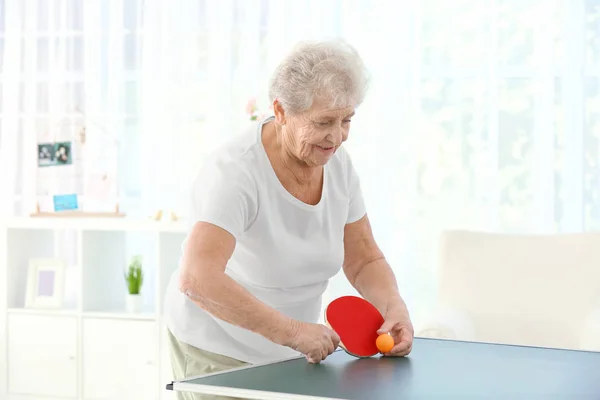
x=448, y=324
x=590, y=332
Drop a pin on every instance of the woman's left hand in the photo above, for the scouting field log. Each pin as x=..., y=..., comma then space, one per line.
x=397, y=323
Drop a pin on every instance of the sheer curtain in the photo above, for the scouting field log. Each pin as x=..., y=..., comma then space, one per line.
x=482, y=114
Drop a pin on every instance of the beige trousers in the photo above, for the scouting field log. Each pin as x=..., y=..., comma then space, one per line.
x=188, y=361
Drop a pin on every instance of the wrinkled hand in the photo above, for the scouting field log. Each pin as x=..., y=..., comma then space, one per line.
x=315, y=341
x=397, y=323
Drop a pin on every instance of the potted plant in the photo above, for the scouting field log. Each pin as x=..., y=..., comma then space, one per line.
x=134, y=277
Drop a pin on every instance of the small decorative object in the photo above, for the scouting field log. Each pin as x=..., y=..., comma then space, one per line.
x=165, y=215
x=157, y=215
x=75, y=152
x=252, y=109
x=253, y=112
x=174, y=217
x=134, y=277
x=82, y=135
x=54, y=154
x=45, y=154
x=45, y=283
x=65, y=202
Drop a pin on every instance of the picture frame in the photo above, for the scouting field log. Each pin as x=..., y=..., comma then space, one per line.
x=45, y=283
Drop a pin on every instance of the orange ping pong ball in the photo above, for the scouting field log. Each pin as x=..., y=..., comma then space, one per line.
x=384, y=343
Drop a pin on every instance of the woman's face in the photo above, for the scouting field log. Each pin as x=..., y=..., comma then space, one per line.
x=314, y=136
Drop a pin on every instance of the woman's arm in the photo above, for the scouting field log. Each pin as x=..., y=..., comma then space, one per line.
x=367, y=269
x=204, y=281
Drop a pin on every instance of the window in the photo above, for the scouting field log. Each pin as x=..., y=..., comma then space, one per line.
x=482, y=113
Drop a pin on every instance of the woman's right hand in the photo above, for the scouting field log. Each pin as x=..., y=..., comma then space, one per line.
x=315, y=341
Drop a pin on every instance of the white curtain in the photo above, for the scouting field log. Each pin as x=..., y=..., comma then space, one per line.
x=482, y=114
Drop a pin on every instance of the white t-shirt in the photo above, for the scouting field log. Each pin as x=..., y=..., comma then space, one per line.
x=286, y=250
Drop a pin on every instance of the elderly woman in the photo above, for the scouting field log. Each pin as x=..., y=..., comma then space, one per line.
x=275, y=213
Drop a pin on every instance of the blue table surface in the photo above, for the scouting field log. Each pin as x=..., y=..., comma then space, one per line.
x=439, y=369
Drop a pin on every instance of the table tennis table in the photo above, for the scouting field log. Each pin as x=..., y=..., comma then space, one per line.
x=435, y=369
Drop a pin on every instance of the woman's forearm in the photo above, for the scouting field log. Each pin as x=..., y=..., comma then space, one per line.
x=376, y=283
x=221, y=296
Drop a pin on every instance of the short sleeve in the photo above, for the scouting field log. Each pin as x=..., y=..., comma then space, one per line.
x=357, y=208
x=224, y=195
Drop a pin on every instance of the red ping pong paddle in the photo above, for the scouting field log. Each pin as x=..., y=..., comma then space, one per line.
x=356, y=322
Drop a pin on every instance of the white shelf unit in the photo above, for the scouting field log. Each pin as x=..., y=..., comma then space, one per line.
x=91, y=347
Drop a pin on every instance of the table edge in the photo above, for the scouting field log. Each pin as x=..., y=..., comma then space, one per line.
x=243, y=393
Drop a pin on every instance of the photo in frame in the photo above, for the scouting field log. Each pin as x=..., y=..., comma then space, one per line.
x=54, y=154
x=45, y=283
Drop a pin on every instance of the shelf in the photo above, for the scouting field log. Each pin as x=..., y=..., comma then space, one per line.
x=96, y=253
x=42, y=311
x=105, y=256
x=146, y=316
x=94, y=224
x=23, y=246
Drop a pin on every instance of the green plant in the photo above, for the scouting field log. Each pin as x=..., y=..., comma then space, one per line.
x=134, y=276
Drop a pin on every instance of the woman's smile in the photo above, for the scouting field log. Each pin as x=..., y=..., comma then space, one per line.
x=325, y=149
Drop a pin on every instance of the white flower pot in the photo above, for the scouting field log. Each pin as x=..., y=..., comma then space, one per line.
x=134, y=303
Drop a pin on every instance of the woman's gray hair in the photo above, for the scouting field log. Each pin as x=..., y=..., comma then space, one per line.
x=331, y=71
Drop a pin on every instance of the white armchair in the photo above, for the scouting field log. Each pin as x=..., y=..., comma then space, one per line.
x=449, y=324
x=535, y=290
